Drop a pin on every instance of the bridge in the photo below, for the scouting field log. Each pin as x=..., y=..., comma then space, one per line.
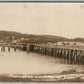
x=70, y=55
x=21, y=46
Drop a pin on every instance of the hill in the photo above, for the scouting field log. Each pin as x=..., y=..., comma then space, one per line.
x=7, y=36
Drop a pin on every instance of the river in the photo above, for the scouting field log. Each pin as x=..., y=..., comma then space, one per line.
x=21, y=62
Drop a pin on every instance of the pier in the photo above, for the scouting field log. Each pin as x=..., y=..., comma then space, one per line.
x=68, y=55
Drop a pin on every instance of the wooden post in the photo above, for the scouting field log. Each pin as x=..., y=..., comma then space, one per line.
x=80, y=57
x=83, y=57
x=8, y=48
x=39, y=49
x=1, y=48
x=14, y=48
x=65, y=56
x=49, y=51
x=36, y=49
x=71, y=57
x=61, y=55
x=52, y=51
x=68, y=57
x=75, y=54
x=45, y=51
x=28, y=48
x=55, y=52
x=58, y=52
x=42, y=50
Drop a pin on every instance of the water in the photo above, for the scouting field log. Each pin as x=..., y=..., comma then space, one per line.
x=21, y=62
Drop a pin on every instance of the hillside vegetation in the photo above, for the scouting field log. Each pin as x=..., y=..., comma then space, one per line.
x=7, y=36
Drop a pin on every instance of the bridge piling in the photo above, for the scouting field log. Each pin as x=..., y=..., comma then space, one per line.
x=8, y=48
x=69, y=56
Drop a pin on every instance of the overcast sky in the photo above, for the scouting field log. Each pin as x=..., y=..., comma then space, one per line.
x=60, y=19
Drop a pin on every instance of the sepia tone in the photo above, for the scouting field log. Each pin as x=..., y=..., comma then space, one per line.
x=41, y=42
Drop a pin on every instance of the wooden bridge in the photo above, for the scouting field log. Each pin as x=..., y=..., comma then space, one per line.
x=21, y=46
x=70, y=55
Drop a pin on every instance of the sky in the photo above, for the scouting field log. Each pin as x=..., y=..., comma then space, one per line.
x=59, y=19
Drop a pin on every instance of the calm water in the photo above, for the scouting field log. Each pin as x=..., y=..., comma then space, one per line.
x=21, y=62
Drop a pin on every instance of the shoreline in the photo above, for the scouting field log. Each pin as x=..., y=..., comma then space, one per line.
x=61, y=77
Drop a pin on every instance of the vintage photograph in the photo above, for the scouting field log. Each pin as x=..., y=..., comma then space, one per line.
x=41, y=42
